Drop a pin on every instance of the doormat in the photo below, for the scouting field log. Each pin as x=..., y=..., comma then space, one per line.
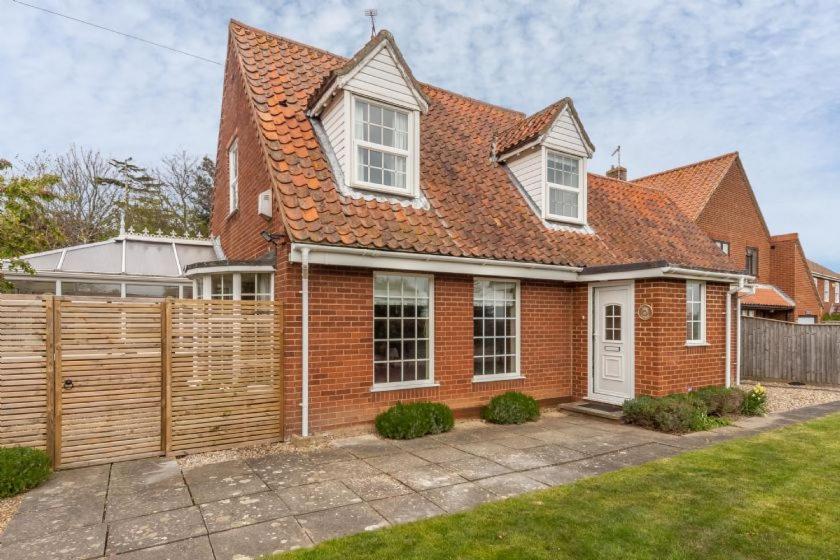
x=605, y=407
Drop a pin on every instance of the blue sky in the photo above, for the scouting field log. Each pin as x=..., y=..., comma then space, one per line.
x=672, y=82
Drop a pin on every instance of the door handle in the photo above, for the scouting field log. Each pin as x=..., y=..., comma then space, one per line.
x=68, y=384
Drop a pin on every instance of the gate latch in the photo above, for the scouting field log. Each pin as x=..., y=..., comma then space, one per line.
x=68, y=383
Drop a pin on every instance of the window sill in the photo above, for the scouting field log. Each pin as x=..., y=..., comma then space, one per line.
x=564, y=220
x=491, y=378
x=232, y=214
x=700, y=344
x=402, y=386
x=406, y=193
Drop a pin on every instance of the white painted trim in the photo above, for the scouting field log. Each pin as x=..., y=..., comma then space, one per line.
x=430, y=382
x=122, y=263
x=96, y=277
x=224, y=269
x=515, y=152
x=590, y=330
x=501, y=377
x=61, y=260
x=702, y=341
x=665, y=272
x=581, y=191
x=177, y=259
x=418, y=262
x=233, y=178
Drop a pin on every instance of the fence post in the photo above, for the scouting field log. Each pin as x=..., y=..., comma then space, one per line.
x=166, y=376
x=55, y=382
x=49, y=355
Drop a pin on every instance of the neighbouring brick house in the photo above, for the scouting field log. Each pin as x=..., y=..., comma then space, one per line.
x=429, y=246
x=827, y=283
x=716, y=194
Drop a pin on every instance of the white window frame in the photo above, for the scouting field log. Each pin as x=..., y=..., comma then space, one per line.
x=837, y=292
x=412, y=154
x=416, y=384
x=206, y=282
x=517, y=374
x=580, y=190
x=754, y=260
x=702, y=340
x=233, y=176
x=723, y=246
x=826, y=291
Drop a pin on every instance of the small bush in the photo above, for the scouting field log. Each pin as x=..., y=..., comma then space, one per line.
x=721, y=401
x=512, y=407
x=676, y=414
x=755, y=402
x=22, y=468
x=409, y=421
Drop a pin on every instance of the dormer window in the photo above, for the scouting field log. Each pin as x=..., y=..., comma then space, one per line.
x=565, y=186
x=381, y=147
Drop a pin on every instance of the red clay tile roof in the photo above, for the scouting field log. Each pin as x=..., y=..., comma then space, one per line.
x=691, y=186
x=536, y=125
x=475, y=209
x=769, y=297
x=817, y=268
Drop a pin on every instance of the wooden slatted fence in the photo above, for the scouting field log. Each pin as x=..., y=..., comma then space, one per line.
x=790, y=352
x=96, y=380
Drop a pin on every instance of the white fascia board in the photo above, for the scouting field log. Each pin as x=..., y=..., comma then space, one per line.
x=96, y=277
x=232, y=268
x=418, y=262
x=516, y=151
x=662, y=272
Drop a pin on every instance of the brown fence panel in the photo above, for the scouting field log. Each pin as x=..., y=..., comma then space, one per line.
x=108, y=372
x=226, y=374
x=789, y=351
x=23, y=371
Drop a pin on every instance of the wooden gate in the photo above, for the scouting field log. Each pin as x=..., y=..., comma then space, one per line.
x=95, y=381
x=108, y=379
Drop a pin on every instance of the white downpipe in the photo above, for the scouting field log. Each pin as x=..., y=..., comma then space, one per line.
x=729, y=338
x=738, y=345
x=304, y=295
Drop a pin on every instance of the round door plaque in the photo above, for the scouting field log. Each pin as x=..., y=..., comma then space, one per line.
x=645, y=312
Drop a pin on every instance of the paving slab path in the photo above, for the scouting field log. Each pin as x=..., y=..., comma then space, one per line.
x=152, y=510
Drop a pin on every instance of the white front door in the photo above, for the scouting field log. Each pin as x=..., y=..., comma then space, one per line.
x=612, y=342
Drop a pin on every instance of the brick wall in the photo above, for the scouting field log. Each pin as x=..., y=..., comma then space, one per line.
x=341, y=346
x=790, y=272
x=240, y=231
x=664, y=364
x=732, y=214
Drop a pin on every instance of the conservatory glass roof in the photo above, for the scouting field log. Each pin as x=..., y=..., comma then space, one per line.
x=128, y=254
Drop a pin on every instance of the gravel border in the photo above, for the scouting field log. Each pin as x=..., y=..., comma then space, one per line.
x=8, y=507
x=782, y=397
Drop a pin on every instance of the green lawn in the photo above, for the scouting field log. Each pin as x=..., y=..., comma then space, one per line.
x=776, y=495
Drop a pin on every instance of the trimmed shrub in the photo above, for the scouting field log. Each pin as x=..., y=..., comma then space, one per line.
x=512, y=407
x=409, y=421
x=676, y=414
x=22, y=468
x=755, y=402
x=721, y=401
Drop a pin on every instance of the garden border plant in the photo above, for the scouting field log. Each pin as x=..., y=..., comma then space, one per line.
x=704, y=409
x=413, y=420
x=21, y=469
x=512, y=407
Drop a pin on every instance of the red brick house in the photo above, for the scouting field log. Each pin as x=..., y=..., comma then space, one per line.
x=716, y=194
x=429, y=246
x=827, y=283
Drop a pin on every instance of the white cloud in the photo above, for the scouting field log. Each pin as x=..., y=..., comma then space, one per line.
x=671, y=82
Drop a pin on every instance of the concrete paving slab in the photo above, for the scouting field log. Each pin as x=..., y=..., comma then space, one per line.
x=73, y=544
x=427, y=476
x=458, y=436
x=441, y=454
x=155, y=529
x=397, y=462
x=556, y=475
x=473, y=468
x=341, y=470
x=86, y=486
x=240, y=511
x=518, y=441
x=376, y=487
x=283, y=471
x=364, y=447
x=347, y=520
x=509, y=485
x=406, y=508
x=644, y=453
x=318, y=496
x=210, y=483
x=555, y=454
x=484, y=449
x=605, y=444
x=254, y=541
x=197, y=548
x=124, y=505
x=38, y=523
x=521, y=459
x=329, y=455
x=460, y=497
x=416, y=443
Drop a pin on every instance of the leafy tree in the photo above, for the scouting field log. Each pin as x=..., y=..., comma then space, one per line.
x=25, y=223
x=186, y=184
x=142, y=198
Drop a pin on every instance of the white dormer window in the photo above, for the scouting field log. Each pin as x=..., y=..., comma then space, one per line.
x=565, y=187
x=384, y=147
x=233, y=176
